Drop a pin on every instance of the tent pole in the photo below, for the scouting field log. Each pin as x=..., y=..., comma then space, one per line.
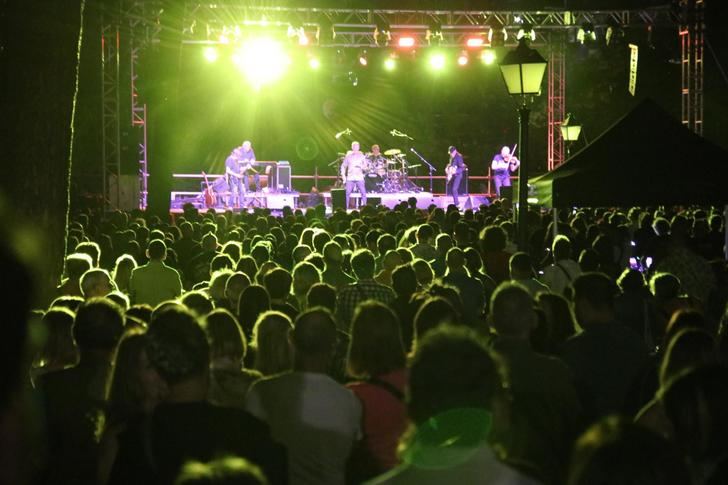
x=556, y=222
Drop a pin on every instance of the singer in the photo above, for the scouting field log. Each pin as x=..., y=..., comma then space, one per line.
x=352, y=172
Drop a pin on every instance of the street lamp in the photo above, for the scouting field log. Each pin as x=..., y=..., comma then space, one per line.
x=570, y=131
x=523, y=69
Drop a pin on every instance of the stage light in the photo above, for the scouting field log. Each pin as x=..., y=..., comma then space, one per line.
x=497, y=34
x=224, y=39
x=363, y=58
x=314, y=63
x=382, y=33
x=210, y=54
x=586, y=33
x=437, y=61
x=488, y=56
x=434, y=33
x=390, y=64
x=262, y=61
x=463, y=59
x=527, y=32
x=406, y=41
x=475, y=42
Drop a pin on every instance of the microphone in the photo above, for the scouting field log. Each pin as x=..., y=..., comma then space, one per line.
x=393, y=132
x=339, y=134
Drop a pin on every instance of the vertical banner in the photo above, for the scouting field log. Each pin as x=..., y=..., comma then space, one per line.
x=633, y=69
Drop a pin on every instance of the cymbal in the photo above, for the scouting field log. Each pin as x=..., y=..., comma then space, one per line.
x=393, y=151
x=392, y=162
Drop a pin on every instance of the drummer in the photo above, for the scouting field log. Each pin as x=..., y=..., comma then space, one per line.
x=376, y=161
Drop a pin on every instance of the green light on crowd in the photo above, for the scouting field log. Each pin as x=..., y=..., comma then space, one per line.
x=210, y=54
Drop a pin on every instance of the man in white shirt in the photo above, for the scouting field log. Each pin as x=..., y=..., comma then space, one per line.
x=502, y=165
x=316, y=418
x=559, y=275
x=352, y=172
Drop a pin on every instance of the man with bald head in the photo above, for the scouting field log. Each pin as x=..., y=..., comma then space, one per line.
x=334, y=274
x=352, y=173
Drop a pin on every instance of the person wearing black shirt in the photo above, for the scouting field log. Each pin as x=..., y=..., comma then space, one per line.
x=455, y=170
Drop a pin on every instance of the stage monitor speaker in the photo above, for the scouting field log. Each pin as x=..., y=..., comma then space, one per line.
x=506, y=193
x=374, y=201
x=463, y=189
x=338, y=199
x=283, y=176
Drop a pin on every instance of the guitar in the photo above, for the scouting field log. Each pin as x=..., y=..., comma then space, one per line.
x=247, y=167
x=209, y=194
x=450, y=171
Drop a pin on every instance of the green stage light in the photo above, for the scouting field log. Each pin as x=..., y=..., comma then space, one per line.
x=488, y=57
x=210, y=54
x=437, y=61
x=314, y=63
x=390, y=64
x=262, y=61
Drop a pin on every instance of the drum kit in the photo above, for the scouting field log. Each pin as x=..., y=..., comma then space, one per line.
x=386, y=173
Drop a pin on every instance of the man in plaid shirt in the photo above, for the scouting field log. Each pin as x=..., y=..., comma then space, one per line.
x=365, y=288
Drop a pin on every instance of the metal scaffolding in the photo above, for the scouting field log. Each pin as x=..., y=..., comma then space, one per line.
x=110, y=110
x=692, y=44
x=556, y=98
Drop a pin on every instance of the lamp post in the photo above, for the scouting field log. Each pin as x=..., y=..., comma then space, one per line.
x=523, y=69
x=570, y=131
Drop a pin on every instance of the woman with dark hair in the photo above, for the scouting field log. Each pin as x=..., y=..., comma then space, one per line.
x=253, y=301
x=493, y=240
x=376, y=356
x=59, y=350
x=229, y=380
x=270, y=339
x=123, y=267
x=135, y=390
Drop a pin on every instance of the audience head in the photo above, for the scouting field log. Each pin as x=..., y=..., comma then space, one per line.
x=272, y=349
x=615, y=451
x=689, y=347
x=512, y=310
x=98, y=326
x=226, y=339
x=222, y=471
x=314, y=339
x=157, y=250
x=362, y=263
x=431, y=314
x=321, y=294
x=305, y=275
x=423, y=272
x=197, y=302
x=520, y=266
x=561, y=248
x=376, y=346
x=404, y=281
x=594, y=295
x=96, y=282
x=235, y=285
x=77, y=264
x=59, y=349
x=278, y=283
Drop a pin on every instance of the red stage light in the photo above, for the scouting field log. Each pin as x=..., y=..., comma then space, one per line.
x=475, y=42
x=406, y=41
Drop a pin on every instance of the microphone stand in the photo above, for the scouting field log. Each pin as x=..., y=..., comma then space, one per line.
x=429, y=165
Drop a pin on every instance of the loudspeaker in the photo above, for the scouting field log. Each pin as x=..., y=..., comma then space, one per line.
x=506, y=193
x=338, y=199
x=375, y=201
x=463, y=189
x=283, y=177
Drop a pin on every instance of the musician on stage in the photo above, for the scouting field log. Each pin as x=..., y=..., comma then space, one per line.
x=247, y=166
x=454, y=170
x=352, y=172
x=503, y=164
x=234, y=176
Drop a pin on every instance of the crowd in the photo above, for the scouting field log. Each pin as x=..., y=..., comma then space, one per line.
x=390, y=346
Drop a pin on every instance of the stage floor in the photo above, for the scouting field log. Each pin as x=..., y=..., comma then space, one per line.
x=277, y=201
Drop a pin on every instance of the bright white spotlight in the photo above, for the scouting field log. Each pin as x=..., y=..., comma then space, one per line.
x=488, y=57
x=463, y=59
x=262, y=61
x=314, y=63
x=210, y=54
x=390, y=64
x=437, y=61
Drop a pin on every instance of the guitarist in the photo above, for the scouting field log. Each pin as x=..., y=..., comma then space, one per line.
x=247, y=166
x=502, y=165
x=454, y=171
x=234, y=176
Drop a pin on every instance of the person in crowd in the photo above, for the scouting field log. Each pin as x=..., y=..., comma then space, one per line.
x=614, y=451
x=216, y=288
x=199, y=266
x=305, y=275
x=74, y=398
x=423, y=272
x=474, y=264
x=235, y=285
x=390, y=261
x=198, y=302
x=365, y=288
x=606, y=358
x=96, y=283
x=322, y=294
x=457, y=395
x=557, y=325
x=59, y=349
x=229, y=379
x=316, y=418
x=492, y=246
x=124, y=266
x=424, y=248
x=521, y=271
x=334, y=275
x=254, y=301
x=376, y=358
x=155, y=282
x=92, y=249
x=404, y=284
x=471, y=289
x=185, y=425
x=546, y=410
x=559, y=275
x=76, y=265
x=270, y=340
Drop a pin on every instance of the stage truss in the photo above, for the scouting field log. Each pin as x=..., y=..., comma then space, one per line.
x=135, y=24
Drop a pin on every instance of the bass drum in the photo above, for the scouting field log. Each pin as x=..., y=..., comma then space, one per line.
x=373, y=182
